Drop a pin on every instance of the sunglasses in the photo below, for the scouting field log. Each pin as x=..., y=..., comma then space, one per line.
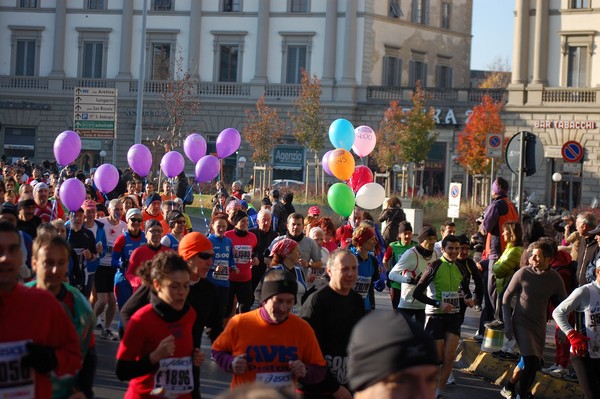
x=136, y=220
x=205, y=256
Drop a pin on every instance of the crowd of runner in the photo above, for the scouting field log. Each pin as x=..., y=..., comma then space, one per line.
x=282, y=296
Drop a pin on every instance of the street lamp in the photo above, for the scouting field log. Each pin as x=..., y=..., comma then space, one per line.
x=102, y=156
x=241, y=164
x=556, y=178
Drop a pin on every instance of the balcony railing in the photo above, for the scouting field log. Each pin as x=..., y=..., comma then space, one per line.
x=70, y=84
x=220, y=89
x=452, y=95
x=282, y=90
x=23, y=82
x=571, y=95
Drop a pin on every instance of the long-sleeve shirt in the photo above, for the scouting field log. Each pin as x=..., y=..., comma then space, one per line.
x=507, y=265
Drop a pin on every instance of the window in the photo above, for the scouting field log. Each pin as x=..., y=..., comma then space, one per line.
x=576, y=4
x=28, y=3
x=93, y=47
x=417, y=72
x=160, y=50
x=577, y=67
x=162, y=5
x=443, y=78
x=395, y=9
x=25, y=44
x=577, y=49
x=446, y=7
x=95, y=4
x=420, y=11
x=229, y=49
x=392, y=71
x=231, y=6
x=295, y=62
x=228, y=63
x=298, y=6
x=26, y=55
x=160, y=66
x=92, y=60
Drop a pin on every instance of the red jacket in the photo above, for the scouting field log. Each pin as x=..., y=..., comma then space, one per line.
x=36, y=315
x=138, y=257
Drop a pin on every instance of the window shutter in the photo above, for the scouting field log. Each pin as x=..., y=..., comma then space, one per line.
x=385, y=75
x=411, y=73
x=398, y=74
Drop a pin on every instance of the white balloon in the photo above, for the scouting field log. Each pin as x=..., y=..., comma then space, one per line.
x=370, y=196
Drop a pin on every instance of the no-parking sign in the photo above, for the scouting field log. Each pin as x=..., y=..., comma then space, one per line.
x=572, y=152
x=454, y=200
x=493, y=147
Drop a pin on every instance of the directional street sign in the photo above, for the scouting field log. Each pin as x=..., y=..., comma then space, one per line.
x=95, y=112
x=572, y=151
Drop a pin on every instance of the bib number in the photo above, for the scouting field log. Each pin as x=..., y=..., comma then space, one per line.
x=362, y=285
x=174, y=377
x=452, y=298
x=278, y=380
x=16, y=379
x=221, y=270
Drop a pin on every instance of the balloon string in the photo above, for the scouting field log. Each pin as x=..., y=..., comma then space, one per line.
x=203, y=211
x=71, y=214
x=189, y=190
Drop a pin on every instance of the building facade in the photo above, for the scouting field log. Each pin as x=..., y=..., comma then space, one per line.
x=555, y=93
x=366, y=53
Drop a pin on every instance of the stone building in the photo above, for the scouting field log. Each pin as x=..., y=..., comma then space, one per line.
x=366, y=53
x=555, y=94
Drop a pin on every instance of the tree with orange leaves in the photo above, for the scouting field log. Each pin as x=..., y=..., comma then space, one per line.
x=263, y=131
x=472, y=141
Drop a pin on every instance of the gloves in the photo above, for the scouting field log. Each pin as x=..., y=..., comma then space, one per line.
x=411, y=281
x=578, y=342
x=380, y=284
x=40, y=357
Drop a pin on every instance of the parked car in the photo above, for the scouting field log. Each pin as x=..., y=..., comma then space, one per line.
x=287, y=185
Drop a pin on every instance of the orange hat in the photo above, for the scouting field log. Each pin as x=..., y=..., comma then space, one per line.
x=193, y=243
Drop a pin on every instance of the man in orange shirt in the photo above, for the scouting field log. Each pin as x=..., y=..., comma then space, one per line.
x=269, y=344
x=152, y=211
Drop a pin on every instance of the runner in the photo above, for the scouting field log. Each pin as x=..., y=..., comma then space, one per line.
x=269, y=344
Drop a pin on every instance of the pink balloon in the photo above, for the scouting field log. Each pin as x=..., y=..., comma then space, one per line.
x=72, y=194
x=325, y=163
x=67, y=147
x=106, y=177
x=139, y=159
x=207, y=168
x=172, y=164
x=228, y=142
x=364, y=141
x=194, y=147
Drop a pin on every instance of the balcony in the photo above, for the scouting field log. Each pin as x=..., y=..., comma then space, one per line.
x=436, y=95
x=552, y=99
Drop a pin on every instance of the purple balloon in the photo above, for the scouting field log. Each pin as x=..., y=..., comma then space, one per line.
x=325, y=163
x=207, y=168
x=194, y=147
x=139, y=159
x=228, y=142
x=172, y=164
x=67, y=147
x=72, y=194
x=106, y=177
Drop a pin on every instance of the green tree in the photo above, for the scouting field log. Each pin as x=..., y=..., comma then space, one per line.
x=308, y=120
x=263, y=130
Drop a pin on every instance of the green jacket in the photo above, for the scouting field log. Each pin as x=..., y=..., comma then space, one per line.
x=506, y=266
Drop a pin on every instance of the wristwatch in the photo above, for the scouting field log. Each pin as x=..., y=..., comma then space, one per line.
x=437, y=304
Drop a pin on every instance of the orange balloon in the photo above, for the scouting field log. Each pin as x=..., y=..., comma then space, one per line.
x=341, y=164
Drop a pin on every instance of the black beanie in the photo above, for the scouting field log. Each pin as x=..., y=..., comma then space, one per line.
x=237, y=216
x=404, y=226
x=284, y=285
x=375, y=352
x=426, y=232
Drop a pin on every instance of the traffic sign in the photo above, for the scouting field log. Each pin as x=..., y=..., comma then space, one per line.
x=533, y=158
x=494, y=145
x=454, y=200
x=94, y=112
x=572, y=151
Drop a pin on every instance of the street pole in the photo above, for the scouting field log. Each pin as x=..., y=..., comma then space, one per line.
x=140, y=86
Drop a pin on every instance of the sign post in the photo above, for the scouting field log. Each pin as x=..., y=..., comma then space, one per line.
x=494, y=145
x=454, y=200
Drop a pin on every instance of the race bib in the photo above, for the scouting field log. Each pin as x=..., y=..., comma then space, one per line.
x=452, y=298
x=16, y=379
x=277, y=380
x=174, y=377
x=242, y=254
x=362, y=285
x=296, y=310
x=221, y=270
